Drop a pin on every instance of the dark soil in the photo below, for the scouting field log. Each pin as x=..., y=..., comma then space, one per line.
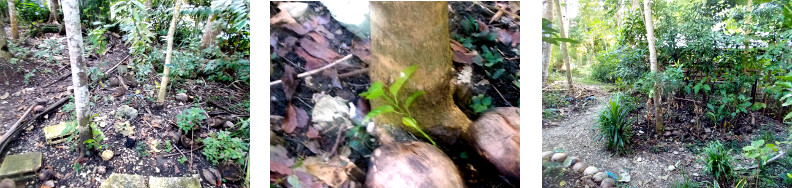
x=218, y=99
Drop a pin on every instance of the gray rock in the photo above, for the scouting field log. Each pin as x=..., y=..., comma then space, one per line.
x=579, y=167
x=608, y=182
x=327, y=108
x=546, y=155
x=101, y=170
x=125, y=113
x=118, y=180
x=21, y=167
x=599, y=176
x=182, y=97
x=558, y=157
x=671, y=168
x=175, y=182
x=591, y=170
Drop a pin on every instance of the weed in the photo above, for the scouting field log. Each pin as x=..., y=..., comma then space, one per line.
x=375, y=91
x=718, y=162
x=29, y=75
x=189, y=118
x=551, y=114
x=97, y=42
x=182, y=160
x=481, y=103
x=168, y=146
x=142, y=149
x=222, y=147
x=615, y=126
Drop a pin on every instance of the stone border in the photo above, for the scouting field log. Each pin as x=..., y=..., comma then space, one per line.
x=589, y=172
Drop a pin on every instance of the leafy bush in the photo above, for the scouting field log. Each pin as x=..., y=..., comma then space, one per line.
x=615, y=126
x=481, y=103
x=222, y=147
x=97, y=42
x=601, y=71
x=31, y=11
x=718, y=163
x=190, y=118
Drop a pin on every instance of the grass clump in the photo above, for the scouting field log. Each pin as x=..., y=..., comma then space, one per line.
x=718, y=163
x=615, y=126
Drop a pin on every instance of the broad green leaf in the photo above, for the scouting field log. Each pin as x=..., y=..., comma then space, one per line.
x=758, y=105
x=498, y=73
x=412, y=98
x=377, y=111
x=374, y=91
x=787, y=103
x=696, y=88
x=789, y=115
x=403, y=76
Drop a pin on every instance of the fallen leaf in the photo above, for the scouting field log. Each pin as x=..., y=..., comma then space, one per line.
x=290, y=120
x=325, y=32
x=282, y=17
x=288, y=46
x=515, y=6
x=318, y=51
x=311, y=62
x=332, y=74
x=331, y=172
x=497, y=15
x=482, y=27
x=302, y=117
x=322, y=19
x=289, y=80
x=312, y=133
x=279, y=161
x=295, y=9
x=362, y=49
x=515, y=38
x=306, y=179
x=461, y=54
x=318, y=38
x=505, y=36
x=4, y=96
x=297, y=28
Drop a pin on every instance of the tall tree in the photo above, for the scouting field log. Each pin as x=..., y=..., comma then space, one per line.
x=53, y=8
x=564, y=52
x=650, y=37
x=12, y=17
x=71, y=19
x=209, y=32
x=168, y=54
x=547, y=48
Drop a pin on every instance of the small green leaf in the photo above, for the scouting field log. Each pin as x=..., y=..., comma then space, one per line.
x=789, y=115
x=498, y=73
x=377, y=111
x=410, y=122
x=374, y=91
x=412, y=98
x=404, y=75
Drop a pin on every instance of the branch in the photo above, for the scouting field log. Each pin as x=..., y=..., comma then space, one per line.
x=304, y=74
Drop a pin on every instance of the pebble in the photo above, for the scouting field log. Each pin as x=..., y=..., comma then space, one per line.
x=599, y=176
x=590, y=171
x=579, y=167
x=101, y=170
x=558, y=157
x=671, y=168
x=609, y=182
x=664, y=177
x=107, y=155
x=338, y=32
x=547, y=154
x=639, y=159
x=676, y=153
x=156, y=170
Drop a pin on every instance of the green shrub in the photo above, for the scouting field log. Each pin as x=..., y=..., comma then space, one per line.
x=190, y=118
x=718, y=163
x=603, y=71
x=222, y=147
x=481, y=103
x=615, y=126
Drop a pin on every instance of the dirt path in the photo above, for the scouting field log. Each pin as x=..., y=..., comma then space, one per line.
x=576, y=134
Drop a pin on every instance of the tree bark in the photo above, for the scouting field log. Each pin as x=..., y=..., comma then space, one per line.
x=209, y=32
x=650, y=37
x=12, y=17
x=53, y=7
x=71, y=19
x=564, y=52
x=168, y=54
x=547, y=48
x=399, y=40
x=4, y=54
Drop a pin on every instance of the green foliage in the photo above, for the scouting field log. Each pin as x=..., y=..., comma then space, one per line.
x=222, y=147
x=550, y=114
x=32, y=12
x=97, y=42
x=235, y=15
x=132, y=16
x=490, y=60
x=142, y=149
x=182, y=160
x=550, y=35
x=95, y=73
x=29, y=75
x=190, y=118
x=376, y=91
x=614, y=125
x=481, y=103
x=760, y=151
x=168, y=146
x=360, y=140
x=784, y=89
x=49, y=48
x=95, y=11
x=718, y=162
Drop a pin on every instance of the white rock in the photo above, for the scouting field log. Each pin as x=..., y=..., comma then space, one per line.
x=599, y=176
x=558, y=157
x=671, y=168
x=327, y=108
x=590, y=171
x=547, y=154
x=107, y=155
x=608, y=182
x=579, y=167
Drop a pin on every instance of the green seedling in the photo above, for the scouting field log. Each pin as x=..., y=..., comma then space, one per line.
x=481, y=103
x=376, y=91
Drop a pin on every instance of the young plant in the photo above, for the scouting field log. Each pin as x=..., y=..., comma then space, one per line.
x=615, y=126
x=489, y=60
x=481, y=103
x=222, y=147
x=376, y=91
x=718, y=162
x=189, y=119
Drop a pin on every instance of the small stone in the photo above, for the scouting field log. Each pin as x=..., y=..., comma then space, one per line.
x=101, y=170
x=7, y=183
x=107, y=155
x=676, y=153
x=38, y=108
x=49, y=183
x=182, y=97
x=573, y=160
x=664, y=177
x=590, y=171
x=624, y=177
x=671, y=168
x=608, y=182
x=156, y=170
x=579, y=167
x=558, y=157
x=639, y=159
x=692, y=121
x=681, y=149
x=41, y=101
x=667, y=133
x=45, y=175
x=695, y=174
x=599, y=176
x=547, y=155
x=338, y=32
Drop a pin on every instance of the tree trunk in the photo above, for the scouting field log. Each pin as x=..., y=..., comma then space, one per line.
x=4, y=54
x=168, y=54
x=209, y=32
x=547, y=48
x=416, y=33
x=564, y=52
x=53, y=7
x=12, y=17
x=71, y=19
x=650, y=37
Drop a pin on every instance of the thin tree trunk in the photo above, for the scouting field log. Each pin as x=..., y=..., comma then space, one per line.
x=12, y=17
x=563, y=45
x=4, y=54
x=71, y=19
x=399, y=41
x=53, y=7
x=209, y=32
x=653, y=63
x=169, y=54
x=547, y=48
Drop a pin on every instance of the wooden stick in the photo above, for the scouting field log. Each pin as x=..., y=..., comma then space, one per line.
x=304, y=74
x=11, y=131
x=353, y=73
x=501, y=95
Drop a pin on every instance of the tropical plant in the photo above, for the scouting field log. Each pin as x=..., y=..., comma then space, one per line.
x=376, y=91
x=718, y=163
x=614, y=125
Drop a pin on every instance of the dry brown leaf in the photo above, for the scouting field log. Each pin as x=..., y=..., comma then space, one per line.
x=302, y=117
x=332, y=74
x=290, y=120
x=298, y=28
x=482, y=27
x=279, y=161
x=282, y=17
x=515, y=38
x=456, y=46
x=312, y=133
x=289, y=80
x=325, y=32
x=311, y=62
x=499, y=14
x=505, y=36
x=318, y=51
x=362, y=49
x=331, y=172
x=288, y=46
x=461, y=54
x=318, y=38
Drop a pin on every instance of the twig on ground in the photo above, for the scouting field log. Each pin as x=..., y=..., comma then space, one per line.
x=483, y=7
x=61, y=77
x=337, y=141
x=304, y=74
x=353, y=73
x=501, y=95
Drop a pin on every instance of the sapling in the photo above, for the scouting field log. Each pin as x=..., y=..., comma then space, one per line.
x=376, y=91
